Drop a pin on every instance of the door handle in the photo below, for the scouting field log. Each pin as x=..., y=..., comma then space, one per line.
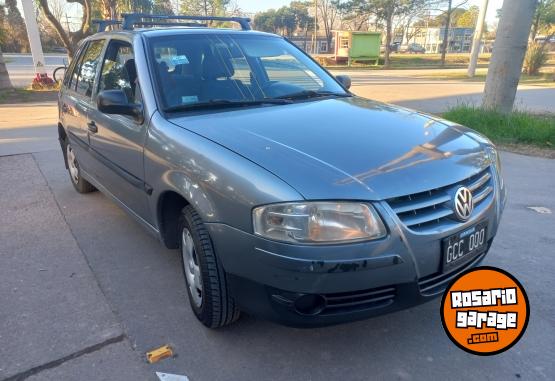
x=93, y=129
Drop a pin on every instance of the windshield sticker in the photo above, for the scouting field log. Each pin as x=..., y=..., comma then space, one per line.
x=180, y=60
x=189, y=99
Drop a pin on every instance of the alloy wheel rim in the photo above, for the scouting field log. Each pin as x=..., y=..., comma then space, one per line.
x=191, y=267
x=72, y=164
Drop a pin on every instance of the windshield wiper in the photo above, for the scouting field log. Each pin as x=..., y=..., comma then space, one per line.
x=307, y=94
x=225, y=103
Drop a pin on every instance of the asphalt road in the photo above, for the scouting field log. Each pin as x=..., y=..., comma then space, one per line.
x=131, y=296
x=402, y=87
x=21, y=69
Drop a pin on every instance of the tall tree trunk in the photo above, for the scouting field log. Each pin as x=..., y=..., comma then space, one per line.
x=508, y=54
x=5, y=82
x=445, y=44
x=388, y=32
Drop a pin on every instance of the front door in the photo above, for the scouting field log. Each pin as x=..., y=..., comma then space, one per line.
x=118, y=140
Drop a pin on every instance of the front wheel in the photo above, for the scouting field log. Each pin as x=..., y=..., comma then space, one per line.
x=204, y=276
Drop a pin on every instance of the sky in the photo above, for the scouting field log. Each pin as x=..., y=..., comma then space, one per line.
x=261, y=5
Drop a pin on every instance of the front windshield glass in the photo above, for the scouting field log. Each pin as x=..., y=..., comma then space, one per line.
x=195, y=69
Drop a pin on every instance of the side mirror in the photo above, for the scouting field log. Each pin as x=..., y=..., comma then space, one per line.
x=115, y=102
x=345, y=81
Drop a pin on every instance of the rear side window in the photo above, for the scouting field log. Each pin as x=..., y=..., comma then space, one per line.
x=74, y=70
x=89, y=67
x=71, y=71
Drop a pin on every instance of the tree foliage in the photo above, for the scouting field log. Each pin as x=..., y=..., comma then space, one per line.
x=15, y=34
x=204, y=7
x=544, y=19
x=285, y=20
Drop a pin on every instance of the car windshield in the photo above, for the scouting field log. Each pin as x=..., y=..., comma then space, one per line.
x=196, y=70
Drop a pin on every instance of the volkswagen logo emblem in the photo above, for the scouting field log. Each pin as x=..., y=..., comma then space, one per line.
x=464, y=204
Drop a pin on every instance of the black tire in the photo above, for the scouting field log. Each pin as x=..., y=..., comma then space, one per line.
x=59, y=74
x=218, y=307
x=79, y=183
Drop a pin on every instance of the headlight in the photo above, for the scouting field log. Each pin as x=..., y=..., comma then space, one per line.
x=318, y=222
x=496, y=160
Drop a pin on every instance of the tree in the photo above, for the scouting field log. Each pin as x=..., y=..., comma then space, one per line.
x=356, y=13
x=162, y=7
x=451, y=10
x=70, y=39
x=544, y=19
x=508, y=54
x=468, y=18
x=286, y=21
x=16, y=35
x=5, y=82
x=266, y=21
x=329, y=11
x=204, y=7
x=387, y=10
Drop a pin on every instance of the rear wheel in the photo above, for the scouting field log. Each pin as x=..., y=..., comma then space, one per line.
x=79, y=183
x=204, y=276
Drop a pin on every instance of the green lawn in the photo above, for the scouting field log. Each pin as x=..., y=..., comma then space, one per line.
x=422, y=61
x=515, y=128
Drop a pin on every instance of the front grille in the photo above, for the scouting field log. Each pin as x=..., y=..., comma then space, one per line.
x=427, y=210
x=437, y=283
x=346, y=302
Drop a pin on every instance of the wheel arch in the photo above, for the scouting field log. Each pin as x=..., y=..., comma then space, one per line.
x=169, y=207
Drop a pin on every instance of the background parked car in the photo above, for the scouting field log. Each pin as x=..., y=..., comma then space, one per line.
x=413, y=48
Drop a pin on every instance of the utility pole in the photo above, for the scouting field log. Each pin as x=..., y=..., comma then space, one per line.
x=477, y=43
x=508, y=54
x=34, y=37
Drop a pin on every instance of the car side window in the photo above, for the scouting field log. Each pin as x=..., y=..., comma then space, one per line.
x=88, y=68
x=74, y=69
x=119, y=72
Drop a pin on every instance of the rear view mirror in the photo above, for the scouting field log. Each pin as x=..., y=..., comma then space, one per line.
x=115, y=102
x=345, y=81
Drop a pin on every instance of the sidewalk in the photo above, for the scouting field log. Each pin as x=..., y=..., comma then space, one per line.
x=55, y=321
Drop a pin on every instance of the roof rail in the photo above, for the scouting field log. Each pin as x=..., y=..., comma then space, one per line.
x=132, y=19
x=104, y=24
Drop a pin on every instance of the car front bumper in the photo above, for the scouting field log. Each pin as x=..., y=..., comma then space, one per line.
x=305, y=286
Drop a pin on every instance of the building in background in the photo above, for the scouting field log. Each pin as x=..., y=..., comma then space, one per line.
x=460, y=39
x=305, y=43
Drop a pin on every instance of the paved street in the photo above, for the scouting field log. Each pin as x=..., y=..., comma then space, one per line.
x=403, y=87
x=21, y=69
x=85, y=292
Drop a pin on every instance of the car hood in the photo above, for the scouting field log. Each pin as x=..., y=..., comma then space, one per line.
x=347, y=148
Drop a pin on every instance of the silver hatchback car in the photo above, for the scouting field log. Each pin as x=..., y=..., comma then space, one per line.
x=288, y=197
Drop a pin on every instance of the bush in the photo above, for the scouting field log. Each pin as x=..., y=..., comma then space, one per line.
x=536, y=57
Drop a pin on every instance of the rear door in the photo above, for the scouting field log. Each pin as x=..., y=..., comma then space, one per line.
x=119, y=139
x=76, y=101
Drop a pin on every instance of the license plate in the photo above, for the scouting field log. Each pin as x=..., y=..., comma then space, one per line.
x=463, y=246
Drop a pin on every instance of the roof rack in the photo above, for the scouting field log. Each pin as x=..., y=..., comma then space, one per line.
x=132, y=19
x=104, y=24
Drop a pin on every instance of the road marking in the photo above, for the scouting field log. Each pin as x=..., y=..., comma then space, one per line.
x=540, y=209
x=171, y=377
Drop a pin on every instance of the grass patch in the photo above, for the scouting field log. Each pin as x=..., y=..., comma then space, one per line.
x=516, y=128
x=12, y=96
x=544, y=79
x=419, y=61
